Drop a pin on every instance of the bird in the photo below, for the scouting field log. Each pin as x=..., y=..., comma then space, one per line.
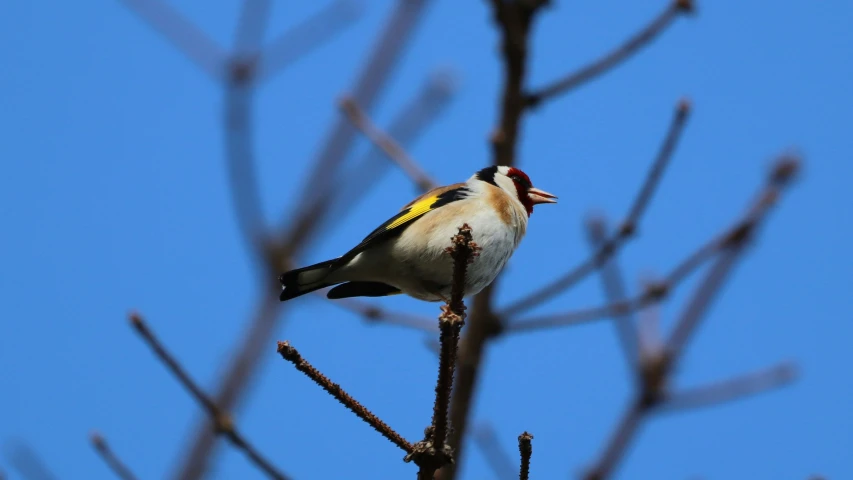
x=407, y=253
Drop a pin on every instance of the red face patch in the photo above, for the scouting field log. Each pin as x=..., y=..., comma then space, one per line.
x=522, y=184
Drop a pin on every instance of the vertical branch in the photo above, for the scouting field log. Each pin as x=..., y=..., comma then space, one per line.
x=514, y=20
x=525, y=447
x=433, y=452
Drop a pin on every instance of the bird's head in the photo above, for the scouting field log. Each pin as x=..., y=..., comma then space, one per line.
x=517, y=184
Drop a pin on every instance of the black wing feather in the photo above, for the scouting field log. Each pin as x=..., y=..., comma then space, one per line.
x=382, y=233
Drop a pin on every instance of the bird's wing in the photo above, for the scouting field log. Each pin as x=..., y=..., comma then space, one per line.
x=429, y=201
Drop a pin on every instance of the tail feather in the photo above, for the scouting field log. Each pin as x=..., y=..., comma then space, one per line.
x=306, y=279
x=362, y=289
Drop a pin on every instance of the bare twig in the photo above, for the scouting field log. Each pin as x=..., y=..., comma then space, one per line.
x=183, y=34
x=251, y=26
x=732, y=389
x=627, y=229
x=514, y=20
x=614, y=292
x=655, y=370
x=241, y=371
x=289, y=353
x=627, y=427
x=784, y=169
x=27, y=462
x=222, y=420
x=387, y=50
x=116, y=465
x=407, y=126
x=387, y=144
x=309, y=35
x=734, y=237
x=525, y=447
x=374, y=314
x=433, y=453
x=486, y=439
x=613, y=58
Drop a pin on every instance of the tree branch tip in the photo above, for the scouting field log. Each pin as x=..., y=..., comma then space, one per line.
x=685, y=105
x=685, y=6
x=785, y=169
x=97, y=440
x=288, y=352
x=136, y=320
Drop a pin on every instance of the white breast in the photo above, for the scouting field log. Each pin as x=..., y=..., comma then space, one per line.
x=417, y=262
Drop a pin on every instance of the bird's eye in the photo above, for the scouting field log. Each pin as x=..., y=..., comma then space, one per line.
x=521, y=181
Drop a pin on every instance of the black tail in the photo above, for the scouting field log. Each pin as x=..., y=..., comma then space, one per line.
x=362, y=289
x=306, y=279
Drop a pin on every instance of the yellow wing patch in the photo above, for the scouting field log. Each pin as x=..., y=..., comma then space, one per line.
x=417, y=209
x=396, y=224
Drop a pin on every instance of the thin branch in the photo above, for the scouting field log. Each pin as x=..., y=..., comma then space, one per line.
x=732, y=389
x=375, y=314
x=525, y=447
x=387, y=144
x=433, y=452
x=242, y=369
x=734, y=237
x=297, y=42
x=653, y=293
x=618, y=443
x=614, y=58
x=239, y=152
x=251, y=26
x=222, y=420
x=407, y=126
x=183, y=34
x=289, y=353
x=27, y=462
x=239, y=372
x=781, y=175
x=656, y=369
x=240, y=156
x=626, y=231
x=514, y=20
x=110, y=458
x=486, y=439
x=614, y=292
x=375, y=73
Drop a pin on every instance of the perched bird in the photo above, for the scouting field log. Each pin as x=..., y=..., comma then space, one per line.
x=407, y=254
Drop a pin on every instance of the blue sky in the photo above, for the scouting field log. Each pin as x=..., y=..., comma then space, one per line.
x=115, y=197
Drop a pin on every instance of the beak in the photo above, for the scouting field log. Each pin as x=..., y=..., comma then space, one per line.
x=540, y=196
